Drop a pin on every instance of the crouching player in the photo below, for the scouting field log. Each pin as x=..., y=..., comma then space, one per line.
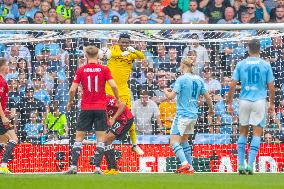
x=120, y=121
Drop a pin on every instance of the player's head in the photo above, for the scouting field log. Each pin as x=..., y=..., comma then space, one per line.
x=124, y=41
x=254, y=47
x=186, y=65
x=4, y=69
x=91, y=52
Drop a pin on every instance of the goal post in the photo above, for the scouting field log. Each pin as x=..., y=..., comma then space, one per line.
x=46, y=57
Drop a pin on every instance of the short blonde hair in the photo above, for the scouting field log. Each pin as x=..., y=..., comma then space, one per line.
x=91, y=51
x=3, y=61
x=188, y=62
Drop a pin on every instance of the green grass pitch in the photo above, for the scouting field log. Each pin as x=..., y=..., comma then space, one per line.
x=142, y=181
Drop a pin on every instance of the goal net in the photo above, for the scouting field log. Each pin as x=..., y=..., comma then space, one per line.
x=42, y=66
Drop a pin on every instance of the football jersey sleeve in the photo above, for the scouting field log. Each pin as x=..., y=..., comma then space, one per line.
x=107, y=74
x=270, y=77
x=177, y=85
x=78, y=76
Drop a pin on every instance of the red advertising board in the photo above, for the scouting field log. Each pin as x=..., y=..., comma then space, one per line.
x=223, y=158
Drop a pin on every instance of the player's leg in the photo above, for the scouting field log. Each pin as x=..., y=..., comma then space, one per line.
x=3, y=142
x=85, y=123
x=258, y=121
x=101, y=128
x=175, y=141
x=242, y=141
x=117, y=131
x=12, y=142
x=132, y=131
x=76, y=152
x=244, y=115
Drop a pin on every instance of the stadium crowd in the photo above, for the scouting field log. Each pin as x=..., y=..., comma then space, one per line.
x=40, y=73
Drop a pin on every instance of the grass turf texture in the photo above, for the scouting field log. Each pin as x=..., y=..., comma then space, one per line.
x=142, y=181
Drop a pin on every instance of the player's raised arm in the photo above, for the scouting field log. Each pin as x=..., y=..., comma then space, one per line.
x=113, y=86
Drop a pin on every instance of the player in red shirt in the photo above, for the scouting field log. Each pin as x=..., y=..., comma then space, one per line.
x=6, y=129
x=120, y=121
x=93, y=78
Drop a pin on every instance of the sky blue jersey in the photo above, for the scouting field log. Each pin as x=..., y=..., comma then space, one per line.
x=188, y=88
x=254, y=74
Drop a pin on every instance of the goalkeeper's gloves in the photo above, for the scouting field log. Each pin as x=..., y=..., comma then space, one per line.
x=125, y=53
x=131, y=49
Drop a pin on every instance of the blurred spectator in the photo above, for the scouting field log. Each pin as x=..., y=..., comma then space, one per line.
x=273, y=11
x=115, y=5
x=52, y=20
x=245, y=19
x=122, y=7
x=240, y=7
x=22, y=66
x=170, y=68
x=162, y=83
x=115, y=19
x=268, y=138
x=22, y=12
x=65, y=10
x=202, y=57
x=53, y=48
x=76, y=15
x=18, y=52
x=223, y=118
x=278, y=67
x=97, y=9
x=193, y=15
x=89, y=20
x=48, y=80
x=216, y=12
x=142, y=45
x=37, y=4
x=212, y=84
x=12, y=73
x=172, y=9
x=8, y=8
x=162, y=57
x=89, y=6
x=105, y=15
x=272, y=53
x=46, y=59
x=44, y=7
x=229, y=17
x=33, y=129
x=14, y=94
x=146, y=112
x=158, y=16
x=204, y=4
x=262, y=11
x=22, y=84
x=10, y=19
x=279, y=15
x=25, y=107
x=39, y=18
x=40, y=93
x=52, y=13
x=31, y=10
x=56, y=122
x=140, y=8
x=24, y=20
x=150, y=84
x=129, y=14
x=167, y=114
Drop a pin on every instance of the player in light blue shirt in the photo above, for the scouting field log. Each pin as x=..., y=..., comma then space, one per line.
x=255, y=76
x=188, y=89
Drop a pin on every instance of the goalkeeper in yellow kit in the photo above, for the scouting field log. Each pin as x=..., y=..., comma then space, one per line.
x=120, y=65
